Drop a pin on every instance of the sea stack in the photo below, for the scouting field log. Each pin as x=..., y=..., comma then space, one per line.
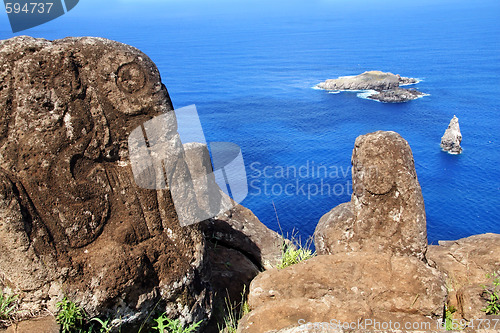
x=452, y=137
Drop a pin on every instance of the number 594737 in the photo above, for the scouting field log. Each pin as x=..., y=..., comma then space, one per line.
x=28, y=8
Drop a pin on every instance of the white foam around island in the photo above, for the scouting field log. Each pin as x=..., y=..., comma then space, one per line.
x=365, y=94
x=410, y=84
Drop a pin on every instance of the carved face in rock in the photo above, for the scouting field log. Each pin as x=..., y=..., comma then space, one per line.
x=71, y=106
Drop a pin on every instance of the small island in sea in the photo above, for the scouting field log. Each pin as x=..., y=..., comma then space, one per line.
x=379, y=86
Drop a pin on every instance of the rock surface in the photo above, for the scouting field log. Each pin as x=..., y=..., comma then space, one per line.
x=46, y=324
x=452, y=137
x=239, y=245
x=396, y=95
x=375, y=80
x=73, y=221
x=371, y=263
x=386, y=212
x=465, y=263
x=237, y=227
x=344, y=288
x=386, y=86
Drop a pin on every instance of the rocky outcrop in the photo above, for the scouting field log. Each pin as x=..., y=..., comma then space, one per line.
x=386, y=212
x=345, y=288
x=371, y=265
x=73, y=221
x=369, y=80
x=386, y=86
x=239, y=246
x=237, y=227
x=396, y=95
x=466, y=263
x=374, y=271
x=452, y=137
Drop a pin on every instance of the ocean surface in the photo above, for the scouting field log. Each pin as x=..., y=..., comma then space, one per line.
x=249, y=66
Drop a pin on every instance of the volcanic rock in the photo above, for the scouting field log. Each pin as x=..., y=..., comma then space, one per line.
x=452, y=137
x=370, y=80
x=396, y=95
x=466, y=263
x=73, y=220
x=386, y=211
x=339, y=289
x=383, y=87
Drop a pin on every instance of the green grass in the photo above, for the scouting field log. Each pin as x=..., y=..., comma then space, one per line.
x=167, y=325
x=448, y=320
x=293, y=252
x=234, y=312
x=106, y=327
x=70, y=316
x=8, y=304
x=493, y=295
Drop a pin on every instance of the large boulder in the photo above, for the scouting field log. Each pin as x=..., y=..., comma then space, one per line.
x=386, y=212
x=466, y=263
x=339, y=289
x=74, y=222
x=372, y=266
x=239, y=246
x=236, y=227
x=72, y=219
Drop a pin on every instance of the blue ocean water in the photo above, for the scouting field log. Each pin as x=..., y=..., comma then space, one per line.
x=249, y=66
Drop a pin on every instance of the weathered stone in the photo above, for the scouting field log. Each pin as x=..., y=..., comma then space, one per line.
x=72, y=219
x=386, y=211
x=47, y=324
x=396, y=95
x=452, y=137
x=345, y=288
x=380, y=86
x=239, y=245
x=211, y=200
x=236, y=227
x=231, y=272
x=465, y=263
x=370, y=80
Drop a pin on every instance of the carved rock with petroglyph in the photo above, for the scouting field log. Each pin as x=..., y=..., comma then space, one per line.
x=72, y=220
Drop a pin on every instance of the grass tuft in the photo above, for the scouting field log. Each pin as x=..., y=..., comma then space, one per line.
x=293, y=252
x=493, y=295
x=234, y=312
x=8, y=304
x=70, y=317
x=167, y=325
